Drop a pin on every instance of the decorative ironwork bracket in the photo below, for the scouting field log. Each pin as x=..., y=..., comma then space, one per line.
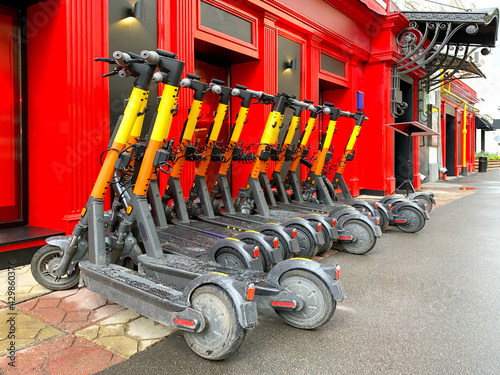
x=441, y=44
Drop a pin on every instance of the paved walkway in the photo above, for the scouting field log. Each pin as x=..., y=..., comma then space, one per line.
x=79, y=332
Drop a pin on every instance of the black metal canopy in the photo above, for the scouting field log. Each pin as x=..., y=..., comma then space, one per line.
x=483, y=124
x=442, y=43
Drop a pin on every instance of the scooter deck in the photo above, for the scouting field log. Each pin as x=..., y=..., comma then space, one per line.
x=148, y=296
x=190, y=268
x=189, y=243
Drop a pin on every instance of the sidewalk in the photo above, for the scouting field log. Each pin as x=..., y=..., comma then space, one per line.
x=79, y=332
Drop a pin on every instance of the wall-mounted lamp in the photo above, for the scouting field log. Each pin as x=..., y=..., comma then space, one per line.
x=292, y=64
x=139, y=10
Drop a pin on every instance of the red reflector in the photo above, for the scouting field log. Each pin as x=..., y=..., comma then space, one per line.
x=337, y=273
x=378, y=220
x=276, y=242
x=390, y=207
x=345, y=238
x=334, y=222
x=283, y=304
x=425, y=206
x=376, y=205
x=319, y=227
x=256, y=251
x=250, y=291
x=182, y=322
x=369, y=214
x=400, y=221
x=294, y=233
x=364, y=210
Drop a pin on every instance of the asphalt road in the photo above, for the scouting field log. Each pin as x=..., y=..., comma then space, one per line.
x=424, y=303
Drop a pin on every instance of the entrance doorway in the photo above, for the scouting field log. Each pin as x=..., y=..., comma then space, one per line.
x=451, y=150
x=13, y=199
x=401, y=156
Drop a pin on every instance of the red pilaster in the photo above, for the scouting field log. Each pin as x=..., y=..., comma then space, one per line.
x=176, y=26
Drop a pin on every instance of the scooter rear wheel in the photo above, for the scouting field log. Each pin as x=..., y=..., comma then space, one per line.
x=306, y=242
x=426, y=200
x=229, y=257
x=43, y=263
x=328, y=242
x=318, y=303
x=282, y=243
x=384, y=221
x=223, y=334
x=415, y=220
x=364, y=240
x=263, y=256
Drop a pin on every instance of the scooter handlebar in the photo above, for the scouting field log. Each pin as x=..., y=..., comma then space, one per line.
x=237, y=92
x=153, y=57
x=307, y=106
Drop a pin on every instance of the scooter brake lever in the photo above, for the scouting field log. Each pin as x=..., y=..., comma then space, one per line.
x=132, y=61
x=113, y=73
x=105, y=59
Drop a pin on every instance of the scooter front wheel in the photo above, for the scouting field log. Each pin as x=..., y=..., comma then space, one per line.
x=318, y=304
x=223, y=334
x=415, y=221
x=45, y=260
x=364, y=238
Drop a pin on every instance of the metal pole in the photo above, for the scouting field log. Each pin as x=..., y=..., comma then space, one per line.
x=464, y=141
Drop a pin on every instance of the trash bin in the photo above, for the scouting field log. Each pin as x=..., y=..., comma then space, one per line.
x=483, y=164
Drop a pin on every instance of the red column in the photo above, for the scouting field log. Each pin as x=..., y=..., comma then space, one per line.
x=443, y=137
x=312, y=63
x=68, y=107
x=378, y=165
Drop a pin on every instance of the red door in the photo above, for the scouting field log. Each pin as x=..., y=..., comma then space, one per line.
x=11, y=155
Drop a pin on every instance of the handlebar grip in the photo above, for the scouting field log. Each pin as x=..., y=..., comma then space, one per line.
x=216, y=89
x=308, y=101
x=346, y=114
x=217, y=81
x=151, y=57
x=240, y=87
x=120, y=57
x=328, y=104
x=166, y=53
x=193, y=76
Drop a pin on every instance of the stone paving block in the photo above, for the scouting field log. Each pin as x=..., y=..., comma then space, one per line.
x=26, y=286
x=70, y=310
x=62, y=356
x=29, y=330
x=126, y=333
